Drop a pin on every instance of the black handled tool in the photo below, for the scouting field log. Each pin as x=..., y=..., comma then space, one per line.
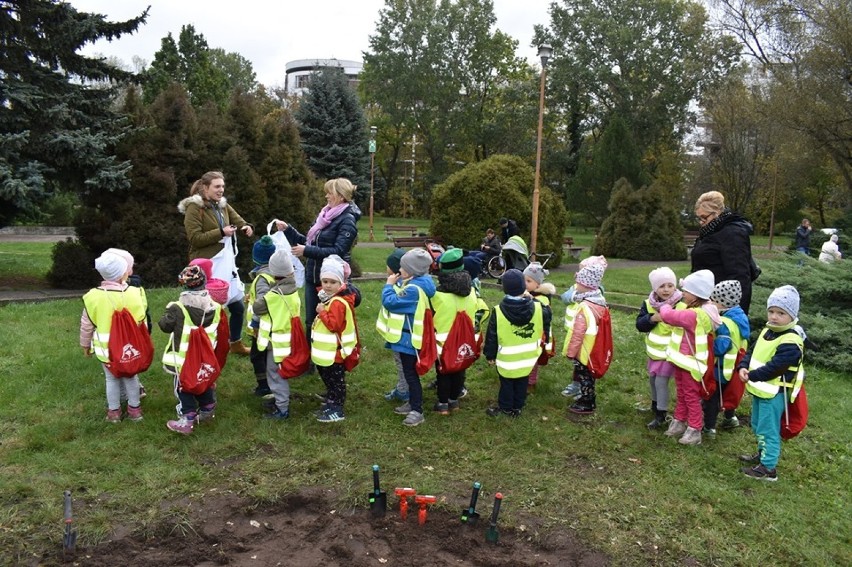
x=69, y=542
x=491, y=535
x=378, y=499
x=469, y=515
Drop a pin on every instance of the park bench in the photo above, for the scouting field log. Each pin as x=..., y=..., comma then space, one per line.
x=689, y=238
x=414, y=241
x=393, y=230
x=568, y=245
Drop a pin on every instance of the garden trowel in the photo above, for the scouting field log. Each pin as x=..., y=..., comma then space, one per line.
x=378, y=499
x=469, y=515
x=491, y=534
x=69, y=541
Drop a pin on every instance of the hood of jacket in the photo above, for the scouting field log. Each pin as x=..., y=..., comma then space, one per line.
x=197, y=200
x=425, y=283
x=546, y=288
x=519, y=311
x=457, y=283
x=738, y=316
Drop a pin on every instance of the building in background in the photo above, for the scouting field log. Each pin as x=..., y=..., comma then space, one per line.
x=299, y=72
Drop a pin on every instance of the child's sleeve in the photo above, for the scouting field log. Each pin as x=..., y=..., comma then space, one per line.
x=405, y=303
x=786, y=355
x=685, y=318
x=722, y=343
x=643, y=320
x=489, y=349
x=87, y=330
x=168, y=322
x=547, y=319
x=334, y=317
x=259, y=307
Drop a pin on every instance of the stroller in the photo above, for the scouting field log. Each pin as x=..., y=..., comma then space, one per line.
x=515, y=254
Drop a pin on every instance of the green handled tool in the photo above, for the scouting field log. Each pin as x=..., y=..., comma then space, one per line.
x=469, y=515
x=491, y=535
x=378, y=499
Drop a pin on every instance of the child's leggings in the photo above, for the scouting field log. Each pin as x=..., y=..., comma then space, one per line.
x=334, y=378
x=688, y=407
x=113, y=390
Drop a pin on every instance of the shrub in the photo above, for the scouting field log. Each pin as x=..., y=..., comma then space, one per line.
x=73, y=266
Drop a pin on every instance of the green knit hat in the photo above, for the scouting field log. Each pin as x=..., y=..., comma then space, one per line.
x=451, y=261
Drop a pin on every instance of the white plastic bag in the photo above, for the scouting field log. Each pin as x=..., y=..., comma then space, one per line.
x=225, y=268
x=281, y=242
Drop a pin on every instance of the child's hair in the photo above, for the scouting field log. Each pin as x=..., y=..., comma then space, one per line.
x=205, y=181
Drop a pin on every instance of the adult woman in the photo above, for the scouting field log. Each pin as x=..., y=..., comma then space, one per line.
x=830, y=251
x=333, y=232
x=211, y=226
x=724, y=243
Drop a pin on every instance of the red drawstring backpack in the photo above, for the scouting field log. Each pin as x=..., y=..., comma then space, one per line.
x=131, y=350
x=601, y=356
x=797, y=416
x=351, y=361
x=461, y=348
x=299, y=359
x=428, y=353
x=201, y=366
x=223, y=336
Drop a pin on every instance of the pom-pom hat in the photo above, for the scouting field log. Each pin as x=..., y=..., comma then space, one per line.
x=263, y=250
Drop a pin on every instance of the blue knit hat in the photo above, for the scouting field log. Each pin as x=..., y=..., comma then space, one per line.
x=263, y=250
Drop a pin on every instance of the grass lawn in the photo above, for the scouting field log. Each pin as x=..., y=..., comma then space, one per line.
x=635, y=495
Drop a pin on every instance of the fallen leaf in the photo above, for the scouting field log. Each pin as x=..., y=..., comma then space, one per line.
x=637, y=461
x=254, y=524
x=382, y=560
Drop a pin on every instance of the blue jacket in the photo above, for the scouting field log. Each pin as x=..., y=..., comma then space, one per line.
x=337, y=238
x=722, y=343
x=407, y=305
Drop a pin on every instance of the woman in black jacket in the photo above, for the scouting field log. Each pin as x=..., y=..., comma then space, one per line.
x=333, y=232
x=724, y=243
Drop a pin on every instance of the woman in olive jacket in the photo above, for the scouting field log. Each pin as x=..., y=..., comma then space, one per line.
x=209, y=220
x=724, y=244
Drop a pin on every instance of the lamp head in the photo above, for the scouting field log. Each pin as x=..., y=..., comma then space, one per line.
x=373, y=131
x=544, y=53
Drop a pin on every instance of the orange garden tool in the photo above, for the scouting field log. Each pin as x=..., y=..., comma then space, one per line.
x=491, y=535
x=423, y=502
x=403, y=494
x=378, y=499
x=469, y=515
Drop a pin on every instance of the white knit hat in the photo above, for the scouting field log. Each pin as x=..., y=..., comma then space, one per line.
x=280, y=264
x=785, y=297
x=700, y=283
x=660, y=276
x=332, y=268
x=111, y=266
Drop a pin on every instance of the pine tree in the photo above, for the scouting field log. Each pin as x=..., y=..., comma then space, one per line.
x=57, y=127
x=334, y=129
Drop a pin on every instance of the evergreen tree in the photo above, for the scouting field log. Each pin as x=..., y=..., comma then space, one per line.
x=57, y=129
x=333, y=129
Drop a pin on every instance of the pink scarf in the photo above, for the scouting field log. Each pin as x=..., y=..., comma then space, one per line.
x=656, y=303
x=324, y=218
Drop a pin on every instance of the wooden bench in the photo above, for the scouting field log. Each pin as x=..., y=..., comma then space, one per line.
x=689, y=238
x=568, y=245
x=414, y=241
x=391, y=230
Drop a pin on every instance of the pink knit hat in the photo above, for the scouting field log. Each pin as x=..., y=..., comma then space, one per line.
x=206, y=265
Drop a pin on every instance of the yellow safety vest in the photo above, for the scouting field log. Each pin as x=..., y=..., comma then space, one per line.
x=390, y=325
x=252, y=296
x=324, y=343
x=518, y=348
x=549, y=345
x=100, y=304
x=176, y=358
x=658, y=338
x=763, y=352
x=591, y=330
x=275, y=325
x=446, y=307
x=738, y=342
x=484, y=315
x=696, y=362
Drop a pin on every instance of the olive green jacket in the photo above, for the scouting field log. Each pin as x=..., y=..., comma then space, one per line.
x=201, y=225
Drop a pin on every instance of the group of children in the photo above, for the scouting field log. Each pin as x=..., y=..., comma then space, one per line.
x=697, y=335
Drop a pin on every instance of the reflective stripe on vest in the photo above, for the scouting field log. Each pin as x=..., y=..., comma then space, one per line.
x=658, y=338
x=696, y=361
x=324, y=343
x=100, y=304
x=446, y=307
x=176, y=358
x=517, y=353
x=252, y=296
x=763, y=352
x=390, y=325
x=591, y=330
x=275, y=326
x=737, y=342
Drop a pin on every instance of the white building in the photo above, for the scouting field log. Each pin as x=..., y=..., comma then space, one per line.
x=299, y=72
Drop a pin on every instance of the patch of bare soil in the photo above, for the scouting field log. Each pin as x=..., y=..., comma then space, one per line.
x=304, y=529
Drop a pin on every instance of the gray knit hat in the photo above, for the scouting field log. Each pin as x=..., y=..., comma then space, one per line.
x=727, y=293
x=280, y=264
x=536, y=272
x=785, y=297
x=416, y=262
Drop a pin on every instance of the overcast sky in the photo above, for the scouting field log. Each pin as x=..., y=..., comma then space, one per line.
x=269, y=33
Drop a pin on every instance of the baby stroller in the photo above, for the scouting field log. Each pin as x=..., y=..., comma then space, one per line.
x=515, y=254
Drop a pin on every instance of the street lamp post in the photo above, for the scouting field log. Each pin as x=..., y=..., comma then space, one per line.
x=544, y=52
x=373, y=131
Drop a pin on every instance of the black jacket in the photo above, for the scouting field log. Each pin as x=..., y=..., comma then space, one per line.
x=337, y=238
x=726, y=251
x=518, y=313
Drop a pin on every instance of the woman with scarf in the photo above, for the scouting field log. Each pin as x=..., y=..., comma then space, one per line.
x=724, y=244
x=333, y=232
x=211, y=226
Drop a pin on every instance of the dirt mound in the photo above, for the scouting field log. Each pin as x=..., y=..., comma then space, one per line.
x=304, y=529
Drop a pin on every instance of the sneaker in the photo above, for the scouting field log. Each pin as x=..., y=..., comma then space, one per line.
x=113, y=416
x=142, y=392
x=207, y=413
x=711, y=433
x=463, y=392
x=752, y=459
x=676, y=428
x=571, y=390
x=278, y=415
x=183, y=425
x=581, y=409
x=262, y=390
x=657, y=423
x=413, y=419
x=760, y=472
x=404, y=409
x=691, y=436
x=331, y=414
x=443, y=409
x=134, y=414
x=396, y=395
x=729, y=423
x=495, y=411
x=454, y=405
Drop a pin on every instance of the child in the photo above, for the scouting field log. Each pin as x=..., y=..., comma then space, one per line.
x=405, y=298
x=194, y=303
x=731, y=337
x=540, y=291
x=688, y=351
x=663, y=292
x=275, y=309
x=400, y=391
x=771, y=371
x=333, y=336
x=513, y=343
x=586, y=307
x=260, y=285
x=454, y=294
x=99, y=304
